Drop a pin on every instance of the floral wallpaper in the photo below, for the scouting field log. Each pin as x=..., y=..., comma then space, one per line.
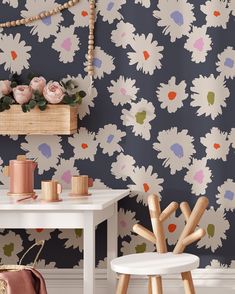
x=159, y=117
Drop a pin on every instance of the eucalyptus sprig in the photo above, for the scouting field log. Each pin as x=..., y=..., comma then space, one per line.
x=6, y=102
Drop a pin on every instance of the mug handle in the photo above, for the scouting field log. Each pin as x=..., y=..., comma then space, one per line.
x=90, y=182
x=59, y=188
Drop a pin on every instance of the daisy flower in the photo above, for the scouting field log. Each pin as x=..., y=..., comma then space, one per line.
x=64, y=172
x=99, y=185
x=13, y=3
x=146, y=54
x=232, y=7
x=123, y=91
x=139, y=117
x=198, y=43
x=172, y=95
x=81, y=12
x=217, y=13
x=215, y=264
x=226, y=63
x=67, y=44
x=232, y=137
x=109, y=138
x=4, y=181
x=43, y=264
x=11, y=246
x=102, y=264
x=102, y=63
x=123, y=167
x=145, y=183
x=173, y=227
x=123, y=35
x=216, y=143
x=209, y=94
x=84, y=143
x=145, y=3
x=43, y=28
x=176, y=148
x=46, y=150
x=37, y=235
x=137, y=245
x=126, y=221
x=14, y=53
x=226, y=195
x=199, y=176
x=215, y=224
x=74, y=238
x=83, y=84
x=109, y=9
x=176, y=16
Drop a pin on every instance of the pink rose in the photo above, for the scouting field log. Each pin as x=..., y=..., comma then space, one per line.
x=22, y=94
x=5, y=87
x=38, y=84
x=53, y=92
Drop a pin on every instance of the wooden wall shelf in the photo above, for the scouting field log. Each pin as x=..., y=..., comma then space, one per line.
x=55, y=120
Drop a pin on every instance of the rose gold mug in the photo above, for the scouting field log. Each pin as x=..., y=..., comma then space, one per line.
x=50, y=191
x=80, y=185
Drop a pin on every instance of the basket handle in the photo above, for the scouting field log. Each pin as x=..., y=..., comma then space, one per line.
x=39, y=243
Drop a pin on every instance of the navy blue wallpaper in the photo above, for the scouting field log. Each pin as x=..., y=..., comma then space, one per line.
x=159, y=118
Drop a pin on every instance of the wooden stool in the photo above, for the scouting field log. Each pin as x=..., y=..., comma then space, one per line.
x=153, y=264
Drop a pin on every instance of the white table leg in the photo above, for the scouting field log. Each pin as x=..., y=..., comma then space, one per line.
x=112, y=237
x=89, y=254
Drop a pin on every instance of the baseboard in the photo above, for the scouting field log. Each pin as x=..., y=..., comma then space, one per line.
x=216, y=281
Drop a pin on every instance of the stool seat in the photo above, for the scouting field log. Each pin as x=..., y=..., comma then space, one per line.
x=153, y=263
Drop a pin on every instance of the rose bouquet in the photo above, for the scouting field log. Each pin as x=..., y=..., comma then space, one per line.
x=38, y=93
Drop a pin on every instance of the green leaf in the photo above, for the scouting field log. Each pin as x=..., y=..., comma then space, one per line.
x=42, y=108
x=42, y=103
x=32, y=104
x=14, y=84
x=24, y=107
x=7, y=100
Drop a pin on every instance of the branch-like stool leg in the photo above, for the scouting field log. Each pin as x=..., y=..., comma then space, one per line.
x=156, y=285
x=123, y=284
x=188, y=283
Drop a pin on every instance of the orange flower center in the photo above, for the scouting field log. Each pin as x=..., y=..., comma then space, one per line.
x=39, y=230
x=13, y=55
x=146, y=187
x=171, y=95
x=216, y=13
x=84, y=146
x=171, y=228
x=216, y=146
x=84, y=13
x=146, y=55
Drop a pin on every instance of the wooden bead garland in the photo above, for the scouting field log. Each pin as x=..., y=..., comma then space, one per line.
x=91, y=38
x=42, y=15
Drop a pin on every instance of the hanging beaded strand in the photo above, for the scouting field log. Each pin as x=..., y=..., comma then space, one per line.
x=91, y=38
x=42, y=15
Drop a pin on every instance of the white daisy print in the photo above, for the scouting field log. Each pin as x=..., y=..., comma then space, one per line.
x=102, y=264
x=176, y=148
x=11, y=246
x=46, y=27
x=109, y=9
x=64, y=172
x=216, y=143
x=102, y=63
x=83, y=84
x=81, y=12
x=67, y=44
x=123, y=167
x=46, y=150
x=74, y=238
x=4, y=181
x=14, y=53
x=109, y=138
x=171, y=95
x=139, y=117
x=199, y=176
x=137, y=245
x=215, y=263
x=126, y=221
x=13, y=3
x=146, y=54
x=232, y=6
x=199, y=44
x=145, y=183
x=123, y=91
x=215, y=224
x=85, y=144
x=123, y=35
x=173, y=227
x=209, y=94
x=43, y=264
x=176, y=16
x=226, y=63
x=39, y=234
x=217, y=13
x=232, y=137
x=145, y=3
x=99, y=185
x=226, y=195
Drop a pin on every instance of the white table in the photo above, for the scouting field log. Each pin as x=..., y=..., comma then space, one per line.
x=85, y=213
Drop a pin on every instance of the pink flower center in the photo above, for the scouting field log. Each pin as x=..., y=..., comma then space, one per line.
x=123, y=223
